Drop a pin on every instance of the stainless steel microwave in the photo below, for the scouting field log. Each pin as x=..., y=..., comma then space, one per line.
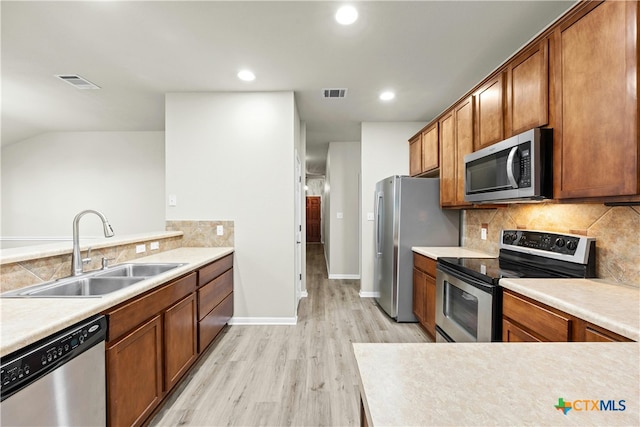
x=517, y=169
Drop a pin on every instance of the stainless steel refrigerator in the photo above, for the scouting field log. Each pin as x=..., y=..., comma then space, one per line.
x=407, y=214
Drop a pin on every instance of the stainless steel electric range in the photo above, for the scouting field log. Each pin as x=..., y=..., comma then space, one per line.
x=469, y=297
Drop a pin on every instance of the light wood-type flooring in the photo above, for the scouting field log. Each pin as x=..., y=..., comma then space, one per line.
x=302, y=375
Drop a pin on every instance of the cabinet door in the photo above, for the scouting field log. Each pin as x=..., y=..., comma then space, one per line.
x=415, y=156
x=448, y=161
x=512, y=333
x=596, y=145
x=134, y=374
x=430, y=149
x=419, y=293
x=430, y=306
x=490, y=112
x=528, y=96
x=180, y=339
x=464, y=145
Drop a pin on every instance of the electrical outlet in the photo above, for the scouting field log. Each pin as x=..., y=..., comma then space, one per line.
x=141, y=248
x=339, y=215
x=154, y=246
x=483, y=233
x=219, y=230
x=173, y=200
x=369, y=216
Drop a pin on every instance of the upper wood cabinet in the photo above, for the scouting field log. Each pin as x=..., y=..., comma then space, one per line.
x=415, y=155
x=424, y=149
x=596, y=140
x=456, y=139
x=528, y=89
x=489, y=111
x=430, y=149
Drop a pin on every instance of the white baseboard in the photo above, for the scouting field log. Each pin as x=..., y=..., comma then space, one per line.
x=369, y=294
x=344, y=276
x=263, y=321
x=304, y=294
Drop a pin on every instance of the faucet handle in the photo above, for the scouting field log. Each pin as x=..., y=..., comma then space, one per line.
x=87, y=260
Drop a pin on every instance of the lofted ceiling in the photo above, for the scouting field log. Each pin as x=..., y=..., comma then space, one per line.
x=428, y=52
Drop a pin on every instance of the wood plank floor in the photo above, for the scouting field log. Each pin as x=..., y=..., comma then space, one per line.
x=302, y=375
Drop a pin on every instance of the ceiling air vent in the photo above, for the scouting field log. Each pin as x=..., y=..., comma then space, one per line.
x=77, y=81
x=334, y=93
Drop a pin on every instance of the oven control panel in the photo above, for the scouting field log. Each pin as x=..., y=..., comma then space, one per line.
x=568, y=247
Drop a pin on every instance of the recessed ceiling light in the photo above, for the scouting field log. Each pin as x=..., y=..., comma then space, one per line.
x=246, y=76
x=346, y=15
x=387, y=96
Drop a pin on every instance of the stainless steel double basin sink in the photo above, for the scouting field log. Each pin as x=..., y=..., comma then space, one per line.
x=94, y=283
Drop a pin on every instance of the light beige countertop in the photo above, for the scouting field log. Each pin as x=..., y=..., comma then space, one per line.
x=609, y=305
x=506, y=384
x=24, y=253
x=436, y=252
x=26, y=320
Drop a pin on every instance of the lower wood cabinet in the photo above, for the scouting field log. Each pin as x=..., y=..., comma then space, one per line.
x=527, y=320
x=424, y=292
x=154, y=339
x=134, y=374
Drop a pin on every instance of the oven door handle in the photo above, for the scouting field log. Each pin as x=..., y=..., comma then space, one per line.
x=510, y=164
x=468, y=296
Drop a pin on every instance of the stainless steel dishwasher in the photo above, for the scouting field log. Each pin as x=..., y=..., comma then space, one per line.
x=57, y=381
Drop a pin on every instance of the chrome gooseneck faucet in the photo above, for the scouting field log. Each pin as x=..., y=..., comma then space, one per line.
x=76, y=259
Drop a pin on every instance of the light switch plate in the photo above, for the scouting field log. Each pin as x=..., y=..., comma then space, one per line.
x=173, y=200
x=483, y=233
x=370, y=216
x=141, y=248
x=154, y=246
x=219, y=230
x=339, y=215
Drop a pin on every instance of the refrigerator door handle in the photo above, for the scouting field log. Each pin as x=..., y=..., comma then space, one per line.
x=379, y=222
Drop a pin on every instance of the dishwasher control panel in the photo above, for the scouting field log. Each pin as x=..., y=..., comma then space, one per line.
x=32, y=362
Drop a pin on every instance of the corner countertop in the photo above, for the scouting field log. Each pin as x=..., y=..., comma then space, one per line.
x=26, y=320
x=435, y=252
x=609, y=305
x=474, y=384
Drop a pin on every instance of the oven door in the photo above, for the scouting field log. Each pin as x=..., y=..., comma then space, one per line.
x=464, y=310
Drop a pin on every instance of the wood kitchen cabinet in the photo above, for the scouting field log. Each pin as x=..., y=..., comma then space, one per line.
x=489, y=112
x=424, y=292
x=215, y=300
x=134, y=374
x=456, y=138
x=424, y=149
x=145, y=358
x=528, y=89
x=596, y=151
x=527, y=320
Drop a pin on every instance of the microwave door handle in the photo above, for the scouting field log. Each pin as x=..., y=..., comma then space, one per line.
x=510, y=176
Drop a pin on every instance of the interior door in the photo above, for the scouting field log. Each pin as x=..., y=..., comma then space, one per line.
x=313, y=219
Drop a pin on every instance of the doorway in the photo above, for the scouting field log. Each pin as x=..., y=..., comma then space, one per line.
x=313, y=219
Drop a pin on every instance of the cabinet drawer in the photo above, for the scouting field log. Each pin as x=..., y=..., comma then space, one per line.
x=213, y=270
x=213, y=322
x=541, y=321
x=211, y=294
x=425, y=264
x=133, y=313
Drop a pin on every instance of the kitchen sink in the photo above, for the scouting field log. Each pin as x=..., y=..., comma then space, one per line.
x=137, y=270
x=94, y=283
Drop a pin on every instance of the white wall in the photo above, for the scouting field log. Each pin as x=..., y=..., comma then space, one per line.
x=48, y=179
x=343, y=170
x=230, y=156
x=384, y=152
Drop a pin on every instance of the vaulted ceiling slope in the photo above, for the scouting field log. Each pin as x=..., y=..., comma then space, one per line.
x=429, y=53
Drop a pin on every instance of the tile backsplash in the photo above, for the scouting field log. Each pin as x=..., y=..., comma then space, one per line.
x=203, y=233
x=616, y=230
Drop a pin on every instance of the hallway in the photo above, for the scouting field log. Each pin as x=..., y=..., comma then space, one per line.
x=288, y=375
